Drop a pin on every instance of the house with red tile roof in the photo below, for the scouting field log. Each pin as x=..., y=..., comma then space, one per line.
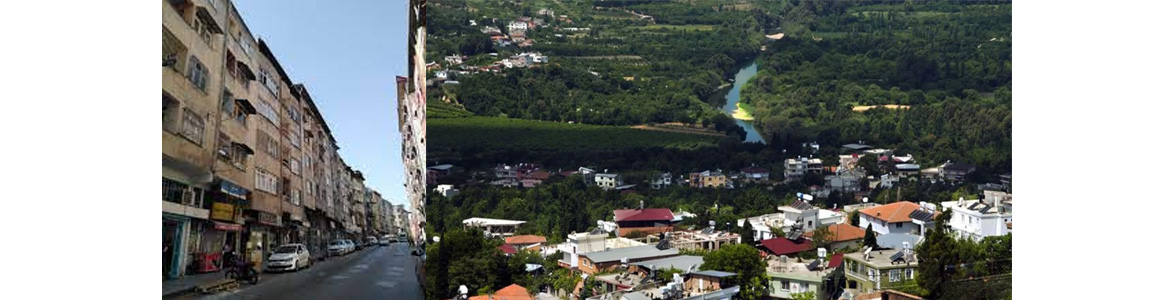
x=526, y=242
x=783, y=246
x=898, y=217
x=648, y=220
x=511, y=292
x=842, y=235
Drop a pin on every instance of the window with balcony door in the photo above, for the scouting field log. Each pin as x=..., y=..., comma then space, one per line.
x=170, y=114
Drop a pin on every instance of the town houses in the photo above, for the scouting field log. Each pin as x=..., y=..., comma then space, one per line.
x=249, y=163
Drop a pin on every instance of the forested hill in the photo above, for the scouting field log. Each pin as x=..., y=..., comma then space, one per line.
x=949, y=62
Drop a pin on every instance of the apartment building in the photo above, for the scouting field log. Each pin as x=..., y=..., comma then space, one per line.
x=248, y=160
x=797, y=167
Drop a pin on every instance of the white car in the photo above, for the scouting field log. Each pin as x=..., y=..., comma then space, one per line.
x=338, y=248
x=289, y=257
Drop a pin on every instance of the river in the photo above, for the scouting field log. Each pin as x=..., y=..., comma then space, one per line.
x=732, y=97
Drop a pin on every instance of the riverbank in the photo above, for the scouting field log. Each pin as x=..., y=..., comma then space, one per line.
x=743, y=112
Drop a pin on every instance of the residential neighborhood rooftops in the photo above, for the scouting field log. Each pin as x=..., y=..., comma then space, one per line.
x=907, y=167
x=507, y=249
x=893, y=212
x=635, y=252
x=646, y=214
x=511, y=292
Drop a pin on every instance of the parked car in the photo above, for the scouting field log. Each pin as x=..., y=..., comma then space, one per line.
x=354, y=246
x=383, y=242
x=338, y=248
x=371, y=241
x=289, y=257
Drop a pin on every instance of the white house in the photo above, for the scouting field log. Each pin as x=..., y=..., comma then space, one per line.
x=607, y=181
x=847, y=181
x=447, y=190
x=661, y=181
x=899, y=217
x=978, y=218
x=518, y=26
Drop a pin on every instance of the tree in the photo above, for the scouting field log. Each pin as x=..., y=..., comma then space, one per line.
x=587, y=288
x=745, y=262
x=870, y=237
x=822, y=237
x=804, y=296
x=937, y=257
x=855, y=218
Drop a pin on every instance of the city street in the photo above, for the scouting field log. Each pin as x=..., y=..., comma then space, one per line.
x=386, y=272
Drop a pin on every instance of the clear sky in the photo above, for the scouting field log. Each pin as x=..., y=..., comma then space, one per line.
x=347, y=53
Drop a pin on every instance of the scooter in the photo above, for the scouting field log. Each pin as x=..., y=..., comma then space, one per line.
x=243, y=271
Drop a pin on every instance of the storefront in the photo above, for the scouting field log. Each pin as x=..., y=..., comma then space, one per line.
x=222, y=233
x=175, y=242
x=260, y=233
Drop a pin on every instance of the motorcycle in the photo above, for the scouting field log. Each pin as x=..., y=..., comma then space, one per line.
x=243, y=271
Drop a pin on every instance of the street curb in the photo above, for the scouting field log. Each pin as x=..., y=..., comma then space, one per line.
x=180, y=292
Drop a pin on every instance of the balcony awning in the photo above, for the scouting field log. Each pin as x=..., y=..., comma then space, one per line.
x=244, y=147
x=206, y=17
x=246, y=106
x=245, y=70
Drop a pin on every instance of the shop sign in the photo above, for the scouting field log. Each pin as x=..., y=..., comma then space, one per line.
x=223, y=211
x=269, y=219
x=232, y=189
x=228, y=227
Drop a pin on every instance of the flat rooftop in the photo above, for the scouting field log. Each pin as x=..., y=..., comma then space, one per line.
x=880, y=258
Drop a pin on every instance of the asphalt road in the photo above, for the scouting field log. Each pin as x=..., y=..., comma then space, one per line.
x=385, y=272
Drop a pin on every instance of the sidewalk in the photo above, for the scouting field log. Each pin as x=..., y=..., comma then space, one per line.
x=172, y=287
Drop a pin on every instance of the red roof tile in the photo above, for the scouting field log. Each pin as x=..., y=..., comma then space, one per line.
x=524, y=239
x=893, y=212
x=648, y=214
x=511, y=292
x=507, y=249
x=783, y=246
x=842, y=232
x=835, y=261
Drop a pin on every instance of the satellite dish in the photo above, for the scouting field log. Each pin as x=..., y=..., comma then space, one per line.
x=462, y=289
x=436, y=239
x=808, y=197
x=865, y=199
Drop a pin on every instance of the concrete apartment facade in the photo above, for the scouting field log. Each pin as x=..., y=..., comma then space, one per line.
x=248, y=161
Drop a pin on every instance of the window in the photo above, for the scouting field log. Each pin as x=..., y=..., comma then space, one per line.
x=177, y=192
x=265, y=110
x=284, y=189
x=266, y=181
x=267, y=145
x=899, y=224
x=226, y=104
x=204, y=31
x=192, y=127
x=895, y=275
x=784, y=284
x=170, y=113
x=296, y=197
x=909, y=274
x=197, y=73
x=269, y=82
x=295, y=166
x=246, y=45
x=224, y=149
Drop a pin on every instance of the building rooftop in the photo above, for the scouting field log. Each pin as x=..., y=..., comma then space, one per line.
x=635, y=252
x=646, y=214
x=893, y=212
x=881, y=259
x=525, y=239
x=783, y=246
x=896, y=240
x=842, y=232
x=442, y=167
x=681, y=262
x=714, y=273
x=491, y=222
x=792, y=268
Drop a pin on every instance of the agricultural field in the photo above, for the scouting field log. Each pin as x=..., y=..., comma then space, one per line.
x=493, y=132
